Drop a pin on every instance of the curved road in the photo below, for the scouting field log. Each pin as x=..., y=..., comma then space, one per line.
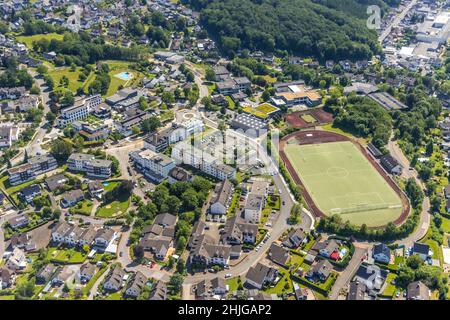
x=425, y=217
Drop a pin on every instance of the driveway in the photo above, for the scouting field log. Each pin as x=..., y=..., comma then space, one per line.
x=346, y=276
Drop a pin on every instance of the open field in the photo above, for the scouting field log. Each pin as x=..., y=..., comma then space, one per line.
x=28, y=40
x=340, y=180
x=74, y=83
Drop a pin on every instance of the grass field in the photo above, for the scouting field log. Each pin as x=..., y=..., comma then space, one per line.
x=74, y=82
x=341, y=181
x=28, y=40
x=308, y=118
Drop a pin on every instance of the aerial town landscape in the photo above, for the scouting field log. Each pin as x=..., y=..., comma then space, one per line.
x=224, y=150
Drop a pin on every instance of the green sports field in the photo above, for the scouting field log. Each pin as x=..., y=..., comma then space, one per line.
x=341, y=181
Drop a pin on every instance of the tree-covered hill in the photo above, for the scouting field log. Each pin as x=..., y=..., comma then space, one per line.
x=326, y=29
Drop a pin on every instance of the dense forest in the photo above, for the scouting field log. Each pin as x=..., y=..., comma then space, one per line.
x=326, y=29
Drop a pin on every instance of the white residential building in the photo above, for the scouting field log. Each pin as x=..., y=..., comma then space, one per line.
x=184, y=152
x=80, y=110
x=155, y=166
x=18, y=260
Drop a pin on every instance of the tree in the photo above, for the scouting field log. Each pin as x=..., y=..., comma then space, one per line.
x=295, y=215
x=138, y=252
x=50, y=116
x=61, y=150
x=42, y=69
x=68, y=99
x=414, y=262
x=181, y=266
x=143, y=104
x=190, y=199
x=429, y=148
x=175, y=283
x=210, y=75
x=150, y=124
x=135, y=130
x=25, y=289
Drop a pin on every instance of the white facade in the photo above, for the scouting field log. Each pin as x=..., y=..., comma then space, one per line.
x=79, y=111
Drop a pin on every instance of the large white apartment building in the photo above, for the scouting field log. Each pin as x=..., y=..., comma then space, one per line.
x=155, y=166
x=80, y=110
x=184, y=152
x=180, y=131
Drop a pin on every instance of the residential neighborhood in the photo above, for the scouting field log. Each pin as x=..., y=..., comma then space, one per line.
x=146, y=156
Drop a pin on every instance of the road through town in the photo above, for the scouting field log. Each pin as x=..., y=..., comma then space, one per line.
x=425, y=217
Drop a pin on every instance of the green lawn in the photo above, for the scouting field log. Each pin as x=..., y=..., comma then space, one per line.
x=390, y=289
x=437, y=250
x=83, y=207
x=233, y=284
x=308, y=118
x=284, y=285
x=113, y=209
x=341, y=181
x=74, y=83
x=7, y=297
x=231, y=103
x=66, y=255
x=446, y=224
x=28, y=40
x=233, y=204
x=114, y=296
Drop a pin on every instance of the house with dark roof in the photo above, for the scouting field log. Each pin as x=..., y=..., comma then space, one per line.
x=417, y=290
x=104, y=237
x=278, y=254
x=422, y=250
x=95, y=189
x=391, y=165
x=23, y=241
x=381, y=253
x=57, y=181
x=178, y=174
x=207, y=288
x=322, y=270
x=71, y=198
x=197, y=231
x=136, y=285
x=447, y=191
x=6, y=278
x=237, y=232
x=300, y=293
x=372, y=276
x=87, y=271
x=260, y=275
x=205, y=252
x=356, y=291
x=165, y=219
x=19, y=221
x=295, y=238
x=28, y=193
x=159, y=292
x=44, y=275
x=114, y=279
